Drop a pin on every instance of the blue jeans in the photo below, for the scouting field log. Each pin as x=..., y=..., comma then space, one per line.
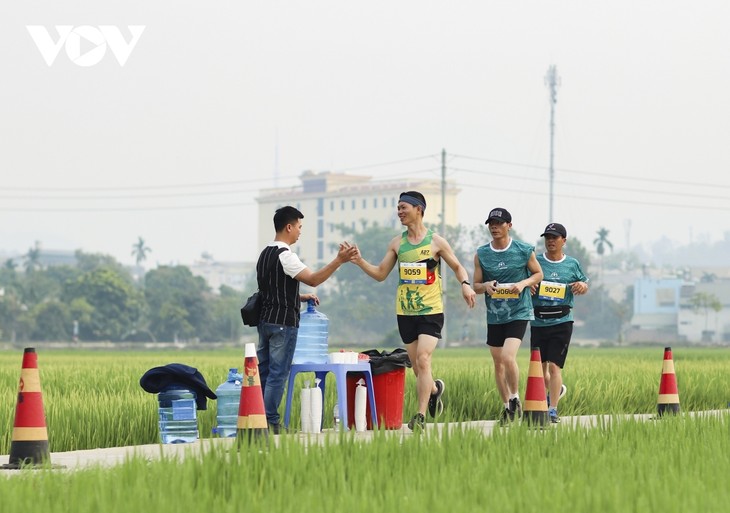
x=275, y=353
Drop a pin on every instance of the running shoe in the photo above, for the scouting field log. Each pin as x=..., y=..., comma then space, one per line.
x=417, y=423
x=506, y=418
x=435, y=403
x=563, y=391
x=515, y=408
x=553, y=415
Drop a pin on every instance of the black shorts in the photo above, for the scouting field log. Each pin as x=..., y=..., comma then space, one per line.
x=553, y=341
x=498, y=333
x=410, y=326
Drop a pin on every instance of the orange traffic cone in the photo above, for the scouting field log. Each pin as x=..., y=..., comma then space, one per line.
x=29, y=445
x=668, y=394
x=251, y=411
x=535, y=409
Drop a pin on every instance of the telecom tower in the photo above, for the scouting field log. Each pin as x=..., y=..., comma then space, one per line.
x=552, y=80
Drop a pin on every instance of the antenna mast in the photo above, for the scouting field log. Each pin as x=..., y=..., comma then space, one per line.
x=552, y=80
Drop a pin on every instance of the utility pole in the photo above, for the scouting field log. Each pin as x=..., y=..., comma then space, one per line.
x=553, y=81
x=444, y=340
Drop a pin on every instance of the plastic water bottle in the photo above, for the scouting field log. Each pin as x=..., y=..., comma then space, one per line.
x=312, y=336
x=178, y=415
x=229, y=399
x=336, y=417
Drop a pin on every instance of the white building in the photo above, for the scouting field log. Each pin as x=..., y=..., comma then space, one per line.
x=331, y=199
x=707, y=320
x=232, y=274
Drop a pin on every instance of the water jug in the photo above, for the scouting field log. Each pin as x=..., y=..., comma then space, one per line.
x=312, y=336
x=178, y=415
x=229, y=398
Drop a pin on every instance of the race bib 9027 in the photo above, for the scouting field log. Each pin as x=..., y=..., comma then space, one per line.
x=552, y=291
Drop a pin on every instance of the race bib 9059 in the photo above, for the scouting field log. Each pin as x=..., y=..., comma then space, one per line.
x=413, y=272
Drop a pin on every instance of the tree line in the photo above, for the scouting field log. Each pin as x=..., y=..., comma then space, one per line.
x=98, y=299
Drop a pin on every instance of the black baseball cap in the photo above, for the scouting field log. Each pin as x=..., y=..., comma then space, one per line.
x=499, y=214
x=555, y=229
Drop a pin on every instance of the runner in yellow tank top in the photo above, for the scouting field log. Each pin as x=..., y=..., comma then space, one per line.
x=419, y=288
x=418, y=253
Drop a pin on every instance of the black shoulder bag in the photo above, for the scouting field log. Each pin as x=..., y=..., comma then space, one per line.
x=251, y=310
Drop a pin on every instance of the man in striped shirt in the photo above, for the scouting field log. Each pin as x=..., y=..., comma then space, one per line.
x=279, y=272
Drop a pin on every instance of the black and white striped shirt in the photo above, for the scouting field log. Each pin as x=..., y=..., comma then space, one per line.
x=275, y=271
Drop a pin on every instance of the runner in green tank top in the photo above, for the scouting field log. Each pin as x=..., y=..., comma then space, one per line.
x=418, y=253
x=419, y=288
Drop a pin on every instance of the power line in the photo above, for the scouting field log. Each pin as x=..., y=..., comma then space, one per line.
x=136, y=187
x=596, y=173
x=594, y=198
x=126, y=209
x=596, y=186
x=147, y=196
x=391, y=177
x=201, y=184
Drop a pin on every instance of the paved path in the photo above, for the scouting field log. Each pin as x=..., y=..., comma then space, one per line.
x=112, y=456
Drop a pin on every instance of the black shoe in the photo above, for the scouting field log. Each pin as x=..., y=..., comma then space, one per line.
x=417, y=423
x=276, y=429
x=515, y=409
x=435, y=404
x=506, y=418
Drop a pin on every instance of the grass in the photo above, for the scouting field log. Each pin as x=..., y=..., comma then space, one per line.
x=93, y=399
x=674, y=465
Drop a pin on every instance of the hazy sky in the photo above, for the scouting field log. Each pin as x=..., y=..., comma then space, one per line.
x=216, y=97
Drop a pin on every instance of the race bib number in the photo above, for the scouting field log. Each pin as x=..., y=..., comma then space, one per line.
x=413, y=272
x=503, y=292
x=552, y=291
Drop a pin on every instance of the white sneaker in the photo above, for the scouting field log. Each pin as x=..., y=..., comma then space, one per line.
x=563, y=391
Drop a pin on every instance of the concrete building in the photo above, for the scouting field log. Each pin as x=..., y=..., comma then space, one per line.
x=679, y=310
x=328, y=200
x=236, y=275
x=656, y=306
x=704, y=312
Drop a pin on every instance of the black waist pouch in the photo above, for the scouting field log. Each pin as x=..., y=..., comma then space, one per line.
x=551, y=312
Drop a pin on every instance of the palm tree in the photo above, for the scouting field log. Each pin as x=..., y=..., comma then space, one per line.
x=601, y=242
x=32, y=257
x=140, y=250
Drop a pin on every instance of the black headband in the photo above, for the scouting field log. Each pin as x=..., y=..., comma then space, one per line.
x=413, y=201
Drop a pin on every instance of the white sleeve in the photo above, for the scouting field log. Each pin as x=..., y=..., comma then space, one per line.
x=291, y=263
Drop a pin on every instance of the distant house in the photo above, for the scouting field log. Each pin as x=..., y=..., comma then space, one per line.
x=46, y=258
x=707, y=317
x=665, y=311
x=232, y=274
x=656, y=308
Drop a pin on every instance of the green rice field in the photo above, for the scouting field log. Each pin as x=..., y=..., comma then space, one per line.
x=93, y=399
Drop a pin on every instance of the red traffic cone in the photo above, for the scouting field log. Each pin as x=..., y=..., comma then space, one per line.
x=251, y=411
x=535, y=409
x=668, y=400
x=29, y=445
